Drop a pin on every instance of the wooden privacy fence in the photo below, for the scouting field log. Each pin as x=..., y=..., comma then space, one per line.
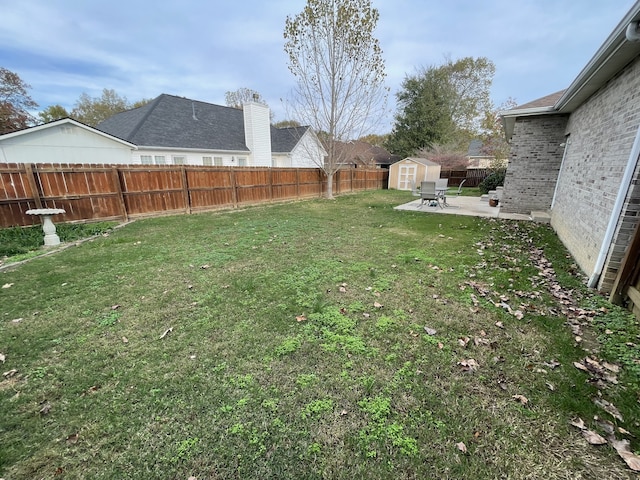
x=119, y=192
x=473, y=176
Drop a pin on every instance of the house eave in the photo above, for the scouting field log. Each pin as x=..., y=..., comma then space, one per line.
x=63, y=121
x=614, y=54
x=181, y=149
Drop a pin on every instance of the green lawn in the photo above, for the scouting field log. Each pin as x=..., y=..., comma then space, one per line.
x=317, y=339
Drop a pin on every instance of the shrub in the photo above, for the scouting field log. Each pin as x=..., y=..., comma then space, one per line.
x=492, y=181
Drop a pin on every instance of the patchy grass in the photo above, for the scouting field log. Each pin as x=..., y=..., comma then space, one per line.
x=319, y=339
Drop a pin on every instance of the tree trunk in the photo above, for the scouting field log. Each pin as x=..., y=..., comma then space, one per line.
x=329, y=194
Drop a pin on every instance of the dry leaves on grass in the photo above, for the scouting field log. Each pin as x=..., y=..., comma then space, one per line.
x=521, y=399
x=624, y=450
x=601, y=373
x=468, y=365
x=609, y=408
x=462, y=447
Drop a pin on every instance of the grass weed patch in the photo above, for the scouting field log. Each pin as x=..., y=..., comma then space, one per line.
x=318, y=339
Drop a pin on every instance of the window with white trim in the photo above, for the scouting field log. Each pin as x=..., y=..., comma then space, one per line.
x=217, y=161
x=178, y=159
x=208, y=161
x=146, y=159
x=159, y=160
x=242, y=161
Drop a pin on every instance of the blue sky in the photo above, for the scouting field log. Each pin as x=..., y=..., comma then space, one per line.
x=201, y=49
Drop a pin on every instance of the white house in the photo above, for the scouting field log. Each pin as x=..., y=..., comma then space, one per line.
x=176, y=130
x=64, y=141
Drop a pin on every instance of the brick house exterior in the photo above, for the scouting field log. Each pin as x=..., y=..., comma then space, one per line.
x=576, y=154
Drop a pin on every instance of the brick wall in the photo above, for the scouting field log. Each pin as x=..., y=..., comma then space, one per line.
x=601, y=135
x=534, y=162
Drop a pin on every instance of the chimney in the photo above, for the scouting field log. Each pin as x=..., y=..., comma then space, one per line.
x=257, y=133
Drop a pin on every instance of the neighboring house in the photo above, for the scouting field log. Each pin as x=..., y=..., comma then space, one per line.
x=575, y=155
x=296, y=147
x=477, y=158
x=64, y=141
x=359, y=154
x=176, y=130
x=408, y=173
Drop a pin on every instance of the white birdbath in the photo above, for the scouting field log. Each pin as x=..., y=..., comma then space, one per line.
x=49, y=229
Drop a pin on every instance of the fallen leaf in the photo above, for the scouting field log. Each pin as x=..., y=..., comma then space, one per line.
x=343, y=413
x=609, y=408
x=46, y=408
x=343, y=290
x=204, y=267
x=622, y=447
x=462, y=447
x=73, y=438
x=115, y=307
x=611, y=367
x=430, y=331
x=2, y=357
x=10, y=373
x=499, y=325
x=166, y=332
x=366, y=315
x=468, y=365
x=125, y=340
x=593, y=438
x=16, y=320
x=301, y=318
x=521, y=399
x=463, y=341
x=378, y=305
x=578, y=423
x=580, y=366
x=192, y=478
x=550, y=386
x=7, y=285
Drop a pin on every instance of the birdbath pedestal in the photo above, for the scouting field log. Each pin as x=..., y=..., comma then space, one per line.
x=50, y=237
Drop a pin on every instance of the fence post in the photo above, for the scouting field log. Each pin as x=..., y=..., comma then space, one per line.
x=234, y=186
x=271, y=184
x=185, y=190
x=115, y=174
x=33, y=185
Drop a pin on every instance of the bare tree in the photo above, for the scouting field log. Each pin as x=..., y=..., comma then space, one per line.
x=241, y=96
x=339, y=71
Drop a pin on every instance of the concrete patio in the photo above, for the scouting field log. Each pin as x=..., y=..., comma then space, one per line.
x=470, y=206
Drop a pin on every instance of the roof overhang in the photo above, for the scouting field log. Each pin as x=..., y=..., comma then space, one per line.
x=66, y=121
x=615, y=53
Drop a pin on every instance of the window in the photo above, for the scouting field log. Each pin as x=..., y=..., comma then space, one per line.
x=178, y=160
x=159, y=160
x=242, y=161
x=217, y=161
x=146, y=159
x=207, y=161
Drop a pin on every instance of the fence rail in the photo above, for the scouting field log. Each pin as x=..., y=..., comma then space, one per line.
x=119, y=192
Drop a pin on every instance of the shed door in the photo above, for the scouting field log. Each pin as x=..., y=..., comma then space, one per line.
x=406, y=177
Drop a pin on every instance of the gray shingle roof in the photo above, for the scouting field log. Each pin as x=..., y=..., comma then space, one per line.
x=285, y=139
x=177, y=122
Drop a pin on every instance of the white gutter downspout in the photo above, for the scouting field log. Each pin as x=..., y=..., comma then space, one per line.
x=617, y=209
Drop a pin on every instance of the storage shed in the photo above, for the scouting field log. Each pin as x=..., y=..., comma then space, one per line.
x=407, y=173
